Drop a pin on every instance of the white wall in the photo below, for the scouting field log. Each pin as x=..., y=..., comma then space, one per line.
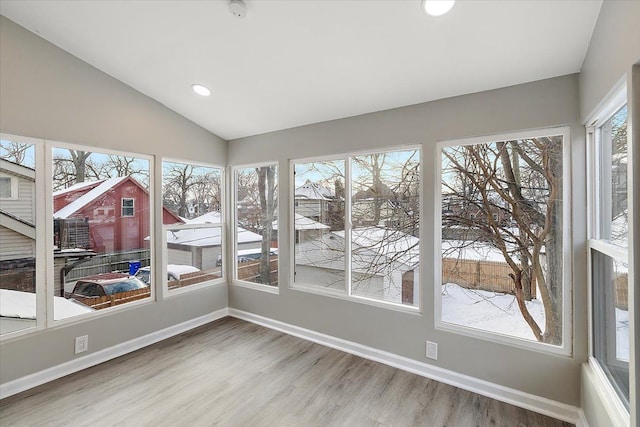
x=540, y=104
x=47, y=93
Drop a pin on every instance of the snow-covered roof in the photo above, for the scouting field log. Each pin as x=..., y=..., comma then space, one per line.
x=87, y=198
x=208, y=218
x=76, y=187
x=210, y=236
x=304, y=223
x=22, y=305
x=371, y=245
x=313, y=191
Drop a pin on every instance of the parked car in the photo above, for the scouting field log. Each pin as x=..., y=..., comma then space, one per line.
x=97, y=286
x=174, y=271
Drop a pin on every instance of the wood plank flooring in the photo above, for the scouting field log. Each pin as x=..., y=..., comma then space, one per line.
x=234, y=373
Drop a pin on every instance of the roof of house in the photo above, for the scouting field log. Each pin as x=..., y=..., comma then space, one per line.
x=208, y=218
x=313, y=191
x=22, y=305
x=17, y=169
x=209, y=236
x=304, y=223
x=82, y=201
x=370, y=245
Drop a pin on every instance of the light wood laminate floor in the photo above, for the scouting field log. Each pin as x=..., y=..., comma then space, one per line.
x=234, y=373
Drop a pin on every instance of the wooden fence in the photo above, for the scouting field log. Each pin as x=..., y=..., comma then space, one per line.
x=196, y=277
x=479, y=274
x=99, y=303
x=107, y=263
x=250, y=271
x=621, y=284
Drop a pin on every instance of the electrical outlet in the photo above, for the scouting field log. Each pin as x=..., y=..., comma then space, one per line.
x=82, y=344
x=432, y=350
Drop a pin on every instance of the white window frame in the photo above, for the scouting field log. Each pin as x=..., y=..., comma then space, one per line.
x=50, y=145
x=132, y=207
x=347, y=295
x=44, y=237
x=41, y=223
x=161, y=270
x=595, y=241
x=231, y=259
x=566, y=348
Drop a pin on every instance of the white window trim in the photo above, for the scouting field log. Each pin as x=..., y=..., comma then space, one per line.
x=610, y=105
x=233, y=225
x=132, y=207
x=44, y=237
x=566, y=349
x=347, y=294
x=161, y=270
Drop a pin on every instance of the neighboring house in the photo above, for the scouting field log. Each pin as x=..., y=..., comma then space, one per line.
x=115, y=209
x=201, y=247
x=384, y=263
x=17, y=211
x=317, y=202
x=306, y=228
x=17, y=226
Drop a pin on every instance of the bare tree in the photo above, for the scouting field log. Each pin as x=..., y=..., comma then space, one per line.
x=15, y=152
x=268, y=205
x=509, y=195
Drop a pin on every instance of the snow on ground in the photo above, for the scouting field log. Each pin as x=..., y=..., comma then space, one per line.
x=488, y=311
x=622, y=334
x=499, y=313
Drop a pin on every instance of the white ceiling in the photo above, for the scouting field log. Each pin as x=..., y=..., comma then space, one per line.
x=295, y=62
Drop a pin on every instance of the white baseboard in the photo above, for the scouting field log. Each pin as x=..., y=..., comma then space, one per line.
x=75, y=365
x=582, y=420
x=515, y=397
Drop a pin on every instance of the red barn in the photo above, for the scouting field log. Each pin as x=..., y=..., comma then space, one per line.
x=115, y=209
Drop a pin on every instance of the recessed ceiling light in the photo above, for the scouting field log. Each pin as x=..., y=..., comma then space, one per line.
x=201, y=90
x=437, y=7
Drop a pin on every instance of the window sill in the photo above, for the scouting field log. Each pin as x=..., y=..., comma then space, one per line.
x=256, y=286
x=520, y=343
x=357, y=299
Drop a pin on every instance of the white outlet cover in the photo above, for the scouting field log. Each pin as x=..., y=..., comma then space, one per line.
x=432, y=350
x=82, y=344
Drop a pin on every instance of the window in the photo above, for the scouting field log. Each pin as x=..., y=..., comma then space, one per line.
x=21, y=267
x=192, y=216
x=127, y=207
x=609, y=246
x=101, y=228
x=255, y=226
x=7, y=188
x=503, y=214
x=356, y=226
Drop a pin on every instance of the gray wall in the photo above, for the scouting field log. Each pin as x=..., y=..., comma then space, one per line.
x=47, y=93
x=545, y=103
x=614, y=49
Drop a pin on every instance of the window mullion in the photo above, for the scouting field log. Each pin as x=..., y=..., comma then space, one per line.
x=347, y=224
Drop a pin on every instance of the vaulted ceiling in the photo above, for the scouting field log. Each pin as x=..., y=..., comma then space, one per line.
x=295, y=62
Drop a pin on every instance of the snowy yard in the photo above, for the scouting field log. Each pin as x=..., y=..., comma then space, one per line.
x=488, y=311
x=499, y=313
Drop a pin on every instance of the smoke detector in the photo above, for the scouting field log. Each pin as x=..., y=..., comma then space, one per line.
x=238, y=8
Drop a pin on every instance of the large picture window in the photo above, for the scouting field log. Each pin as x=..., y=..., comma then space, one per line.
x=503, y=228
x=192, y=201
x=356, y=226
x=101, y=229
x=609, y=247
x=255, y=225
